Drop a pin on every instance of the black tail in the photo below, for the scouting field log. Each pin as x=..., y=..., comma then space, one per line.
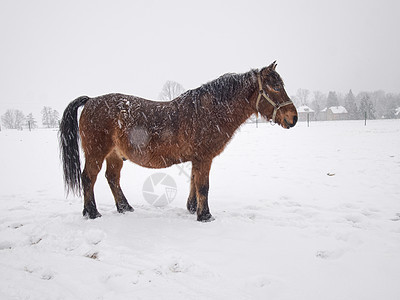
x=69, y=146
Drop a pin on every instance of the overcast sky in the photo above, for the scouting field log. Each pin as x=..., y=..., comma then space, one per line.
x=54, y=51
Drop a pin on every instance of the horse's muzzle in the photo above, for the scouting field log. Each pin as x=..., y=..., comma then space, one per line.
x=289, y=125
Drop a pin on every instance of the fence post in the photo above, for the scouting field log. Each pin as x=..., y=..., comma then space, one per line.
x=365, y=118
x=308, y=119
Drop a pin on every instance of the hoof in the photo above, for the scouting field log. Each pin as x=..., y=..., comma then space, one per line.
x=92, y=214
x=122, y=208
x=192, y=209
x=192, y=206
x=205, y=218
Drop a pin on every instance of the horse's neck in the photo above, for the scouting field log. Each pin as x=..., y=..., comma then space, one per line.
x=240, y=109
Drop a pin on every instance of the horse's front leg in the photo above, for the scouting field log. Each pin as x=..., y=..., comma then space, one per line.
x=192, y=200
x=201, y=171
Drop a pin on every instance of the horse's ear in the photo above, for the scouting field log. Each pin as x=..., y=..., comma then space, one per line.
x=265, y=71
x=272, y=66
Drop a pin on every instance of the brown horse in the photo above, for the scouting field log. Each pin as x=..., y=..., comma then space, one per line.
x=196, y=127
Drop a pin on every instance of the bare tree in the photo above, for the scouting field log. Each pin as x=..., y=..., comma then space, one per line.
x=366, y=107
x=320, y=97
x=56, y=119
x=302, y=96
x=318, y=103
x=31, y=122
x=50, y=117
x=13, y=119
x=171, y=90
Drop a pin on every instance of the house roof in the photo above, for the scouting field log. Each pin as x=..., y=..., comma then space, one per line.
x=336, y=109
x=304, y=109
x=397, y=111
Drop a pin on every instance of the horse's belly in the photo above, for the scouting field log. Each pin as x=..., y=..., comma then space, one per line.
x=151, y=151
x=153, y=161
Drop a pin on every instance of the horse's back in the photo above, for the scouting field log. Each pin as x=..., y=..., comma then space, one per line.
x=146, y=132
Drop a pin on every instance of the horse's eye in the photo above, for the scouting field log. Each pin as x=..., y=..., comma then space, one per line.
x=276, y=88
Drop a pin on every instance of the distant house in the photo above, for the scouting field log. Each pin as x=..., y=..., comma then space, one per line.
x=334, y=113
x=303, y=111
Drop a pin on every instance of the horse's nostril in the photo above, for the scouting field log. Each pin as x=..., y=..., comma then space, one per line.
x=294, y=121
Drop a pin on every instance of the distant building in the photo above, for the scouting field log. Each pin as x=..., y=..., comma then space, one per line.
x=303, y=111
x=334, y=113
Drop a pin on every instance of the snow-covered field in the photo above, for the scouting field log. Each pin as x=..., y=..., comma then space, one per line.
x=284, y=228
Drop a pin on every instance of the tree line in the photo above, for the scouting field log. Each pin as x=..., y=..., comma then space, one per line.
x=16, y=119
x=377, y=105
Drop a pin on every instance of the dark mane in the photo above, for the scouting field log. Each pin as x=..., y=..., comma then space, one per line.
x=224, y=88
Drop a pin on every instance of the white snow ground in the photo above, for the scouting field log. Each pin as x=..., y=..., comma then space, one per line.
x=284, y=229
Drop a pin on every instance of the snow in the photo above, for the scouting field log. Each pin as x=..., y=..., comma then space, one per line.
x=284, y=229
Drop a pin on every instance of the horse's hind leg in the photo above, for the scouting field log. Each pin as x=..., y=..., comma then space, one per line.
x=192, y=200
x=89, y=176
x=114, y=166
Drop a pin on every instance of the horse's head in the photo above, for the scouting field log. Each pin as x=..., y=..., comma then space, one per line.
x=272, y=101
